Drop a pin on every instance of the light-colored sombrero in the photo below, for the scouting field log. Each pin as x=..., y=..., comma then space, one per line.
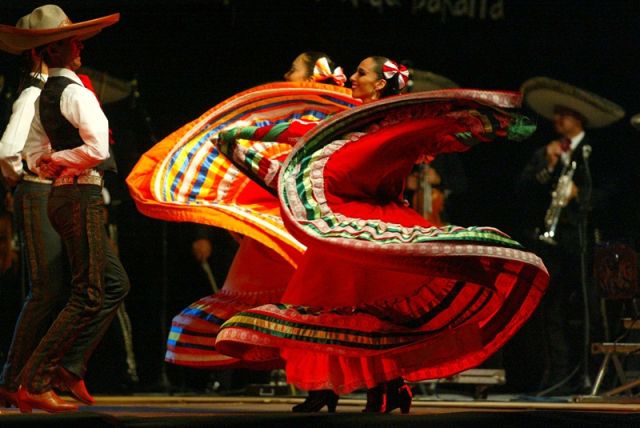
x=423, y=81
x=47, y=24
x=635, y=121
x=545, y=95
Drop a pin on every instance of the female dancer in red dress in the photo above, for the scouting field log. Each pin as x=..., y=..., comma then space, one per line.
x=368, y=84
x=380, y=294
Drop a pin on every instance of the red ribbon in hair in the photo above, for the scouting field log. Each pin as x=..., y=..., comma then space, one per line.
x=391, y=68
x=322, y=71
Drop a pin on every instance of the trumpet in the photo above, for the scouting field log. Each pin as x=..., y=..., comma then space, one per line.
x=559, y=199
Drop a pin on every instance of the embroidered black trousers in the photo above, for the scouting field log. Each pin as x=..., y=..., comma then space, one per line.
x=99, y=284
x=43, y=259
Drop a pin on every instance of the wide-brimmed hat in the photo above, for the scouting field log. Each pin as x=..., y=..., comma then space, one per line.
x=47, y=24
x=635, y=121
x=422, y=80
x=546, y=96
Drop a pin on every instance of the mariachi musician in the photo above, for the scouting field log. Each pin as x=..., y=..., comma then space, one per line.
x=563, y=191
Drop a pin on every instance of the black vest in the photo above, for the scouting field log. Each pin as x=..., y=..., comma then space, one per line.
x=62, y=134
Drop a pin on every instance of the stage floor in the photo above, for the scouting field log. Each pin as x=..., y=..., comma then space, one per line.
x=201, y=411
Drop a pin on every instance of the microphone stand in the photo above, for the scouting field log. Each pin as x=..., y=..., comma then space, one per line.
x=585, y=207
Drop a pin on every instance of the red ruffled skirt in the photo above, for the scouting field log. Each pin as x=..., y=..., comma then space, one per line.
x=379, y=293
x=347, y=326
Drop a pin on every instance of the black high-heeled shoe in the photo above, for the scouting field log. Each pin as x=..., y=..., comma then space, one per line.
x=316, y=400
x=386, y=397
x=376, y=399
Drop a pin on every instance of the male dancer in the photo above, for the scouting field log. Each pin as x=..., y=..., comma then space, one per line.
x=69, y=120
x=40, y=244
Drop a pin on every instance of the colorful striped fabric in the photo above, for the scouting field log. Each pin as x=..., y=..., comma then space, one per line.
x=251, y=148
x=185, y=178
x=193, y=332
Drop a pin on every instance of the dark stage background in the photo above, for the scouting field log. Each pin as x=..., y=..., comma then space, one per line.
x=188, y=55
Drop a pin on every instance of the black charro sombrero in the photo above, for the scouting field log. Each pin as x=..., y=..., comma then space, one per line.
x=47, y=24
x=546, y=95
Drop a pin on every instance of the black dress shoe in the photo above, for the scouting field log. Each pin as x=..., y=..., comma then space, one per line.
x=316, y=400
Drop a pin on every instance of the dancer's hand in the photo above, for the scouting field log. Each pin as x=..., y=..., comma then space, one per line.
x=47, y=167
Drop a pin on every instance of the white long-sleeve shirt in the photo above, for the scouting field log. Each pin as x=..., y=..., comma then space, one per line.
x=81, y=108
x=15, y=134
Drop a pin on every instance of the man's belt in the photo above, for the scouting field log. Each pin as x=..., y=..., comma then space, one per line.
x=89, y=176
x=36, y=179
